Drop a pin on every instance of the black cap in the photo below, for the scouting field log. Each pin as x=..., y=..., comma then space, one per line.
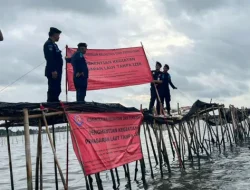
x=82, y=45
x=158, y=63
x=166, y=65
x=54, y=31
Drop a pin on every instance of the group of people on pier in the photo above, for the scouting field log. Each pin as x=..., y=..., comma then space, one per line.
x=160, y=91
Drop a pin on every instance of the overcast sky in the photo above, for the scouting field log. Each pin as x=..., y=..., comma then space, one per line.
x=205, y=42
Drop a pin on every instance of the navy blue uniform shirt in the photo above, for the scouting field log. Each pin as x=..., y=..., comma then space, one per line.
x=79, y=64
x=157, y=75
x=53, y=56
x=166, y=81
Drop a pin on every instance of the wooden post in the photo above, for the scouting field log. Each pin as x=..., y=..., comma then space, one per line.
x=10, y=160
x=178, y=108
x=53, y=150
x=54, y=143
x=37, y=160
x=67, y=158
x=40, y=154
x=27, y=149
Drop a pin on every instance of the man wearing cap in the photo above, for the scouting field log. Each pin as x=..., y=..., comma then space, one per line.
x=54, y=63
x=81, y=71
x=157, y=74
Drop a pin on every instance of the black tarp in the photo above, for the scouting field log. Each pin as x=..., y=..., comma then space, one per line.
x=198, y=106
x=16, y=110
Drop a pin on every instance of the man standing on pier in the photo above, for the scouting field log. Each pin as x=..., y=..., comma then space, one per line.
x=81, y=71
x=54, y=64
x=1, y=36
x=155, y=86
x=164, y=89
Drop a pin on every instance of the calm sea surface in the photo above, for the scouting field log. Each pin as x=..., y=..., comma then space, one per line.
x=229, y=170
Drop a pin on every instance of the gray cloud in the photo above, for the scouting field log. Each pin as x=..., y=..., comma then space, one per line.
x=93, y=7
x=214, y=66
x=220, y=46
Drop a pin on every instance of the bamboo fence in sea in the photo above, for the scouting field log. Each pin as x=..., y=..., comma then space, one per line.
x=190, y=137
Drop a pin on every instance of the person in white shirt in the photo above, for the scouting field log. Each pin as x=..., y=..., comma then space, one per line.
x=1, y=36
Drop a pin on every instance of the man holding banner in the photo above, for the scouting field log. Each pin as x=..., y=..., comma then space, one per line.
x=81, y=72
x=155, y=86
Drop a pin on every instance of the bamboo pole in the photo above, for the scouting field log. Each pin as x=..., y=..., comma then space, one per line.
x=38, y=159
x=117, y=177
x=54, y=143
x=40, y=155
x=27, y=150
x=10, y=160
x=67, y=158
x=113, y=178
x=152, y=144
x=53, y=149
x=149, y=159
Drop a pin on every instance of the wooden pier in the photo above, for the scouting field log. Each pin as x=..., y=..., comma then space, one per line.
x=190, y=137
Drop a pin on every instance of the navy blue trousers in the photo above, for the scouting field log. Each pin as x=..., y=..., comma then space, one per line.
x=54, y=88
x=81, y=84
x=152, y=101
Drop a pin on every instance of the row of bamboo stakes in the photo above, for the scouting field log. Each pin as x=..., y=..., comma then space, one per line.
x=187, y=141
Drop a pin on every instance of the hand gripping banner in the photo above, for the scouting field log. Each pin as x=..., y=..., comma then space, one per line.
x=103, y=141
x=113, y=68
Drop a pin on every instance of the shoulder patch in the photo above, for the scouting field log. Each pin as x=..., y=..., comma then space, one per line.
x=50, y=47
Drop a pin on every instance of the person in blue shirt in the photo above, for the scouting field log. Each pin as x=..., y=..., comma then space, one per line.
x=164, y=88
x=157, y=74
x=54, y=64
x=81, y=71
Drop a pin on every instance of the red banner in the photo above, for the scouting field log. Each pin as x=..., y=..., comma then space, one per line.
x=103, y=141
x=112, y=68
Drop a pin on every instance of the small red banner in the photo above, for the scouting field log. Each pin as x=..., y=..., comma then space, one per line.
x=103, y=141
x=112, y=68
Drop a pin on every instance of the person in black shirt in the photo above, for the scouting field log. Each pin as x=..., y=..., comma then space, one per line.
x=157, y=74
x=54, y=64
x=164, y=89
x=81, y=71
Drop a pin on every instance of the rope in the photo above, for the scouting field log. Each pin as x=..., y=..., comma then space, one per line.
x=186, y=96
x=20, y=78
x=7, y=86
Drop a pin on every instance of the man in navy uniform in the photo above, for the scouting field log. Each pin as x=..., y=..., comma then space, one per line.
x=81, y=71
x=54, y=64
x=164, y=89
x=157, y=74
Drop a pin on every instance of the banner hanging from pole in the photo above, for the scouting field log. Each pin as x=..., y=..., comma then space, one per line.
x=103, y=141
x=113, y=68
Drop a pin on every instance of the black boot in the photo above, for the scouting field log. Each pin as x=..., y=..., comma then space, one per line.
x=169, y=113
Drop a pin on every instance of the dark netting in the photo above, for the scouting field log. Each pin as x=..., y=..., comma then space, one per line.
x=16, y=110
x=198, y=106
